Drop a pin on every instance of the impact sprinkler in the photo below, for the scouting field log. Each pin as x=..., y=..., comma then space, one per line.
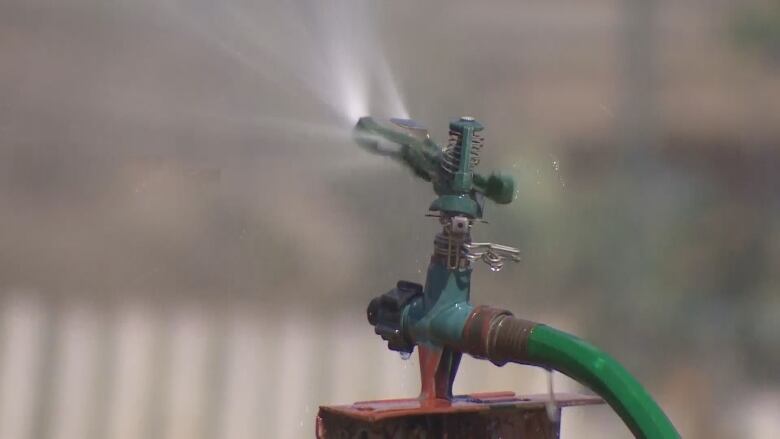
x=440, y=321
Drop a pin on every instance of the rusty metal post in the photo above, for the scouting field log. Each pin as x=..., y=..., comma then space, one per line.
x=480, y=415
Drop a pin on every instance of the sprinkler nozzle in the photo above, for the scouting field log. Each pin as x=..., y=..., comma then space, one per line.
x=449, y=168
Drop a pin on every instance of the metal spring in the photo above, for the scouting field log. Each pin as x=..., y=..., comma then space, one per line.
x=450, y=250
x=450, y=246
x=442, y=242
x=451, y=155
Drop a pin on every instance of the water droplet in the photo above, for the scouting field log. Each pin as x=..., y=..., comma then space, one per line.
x=556, y=165
x=551, y=406
x=405, y=355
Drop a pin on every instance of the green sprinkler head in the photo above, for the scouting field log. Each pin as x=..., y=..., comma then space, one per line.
x=461, y=191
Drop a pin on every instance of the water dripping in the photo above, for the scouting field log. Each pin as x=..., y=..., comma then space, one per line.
x=556, y=165
x=551, y=406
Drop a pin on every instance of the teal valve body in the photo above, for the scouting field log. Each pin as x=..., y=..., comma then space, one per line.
x=432, y=317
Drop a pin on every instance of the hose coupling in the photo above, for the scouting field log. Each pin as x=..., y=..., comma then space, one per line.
x=497, y=335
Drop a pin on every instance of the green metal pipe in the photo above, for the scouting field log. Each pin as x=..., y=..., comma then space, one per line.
x=551, y=348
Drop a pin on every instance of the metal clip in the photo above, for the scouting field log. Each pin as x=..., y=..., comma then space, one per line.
x=492, y=254
x=458, y=229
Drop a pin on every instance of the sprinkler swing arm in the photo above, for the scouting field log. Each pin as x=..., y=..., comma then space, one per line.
x=438, y=317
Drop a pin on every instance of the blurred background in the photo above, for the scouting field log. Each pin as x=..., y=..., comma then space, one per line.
x=189, y=238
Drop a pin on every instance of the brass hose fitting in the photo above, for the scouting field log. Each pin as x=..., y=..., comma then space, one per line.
x=497, y=335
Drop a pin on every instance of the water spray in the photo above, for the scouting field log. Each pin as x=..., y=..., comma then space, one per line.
x=439, y=320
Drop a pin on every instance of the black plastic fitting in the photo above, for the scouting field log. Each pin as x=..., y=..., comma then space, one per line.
x=385, y=312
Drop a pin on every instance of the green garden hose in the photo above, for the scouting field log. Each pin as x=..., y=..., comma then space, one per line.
x=549, y=347
x=497, y=335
